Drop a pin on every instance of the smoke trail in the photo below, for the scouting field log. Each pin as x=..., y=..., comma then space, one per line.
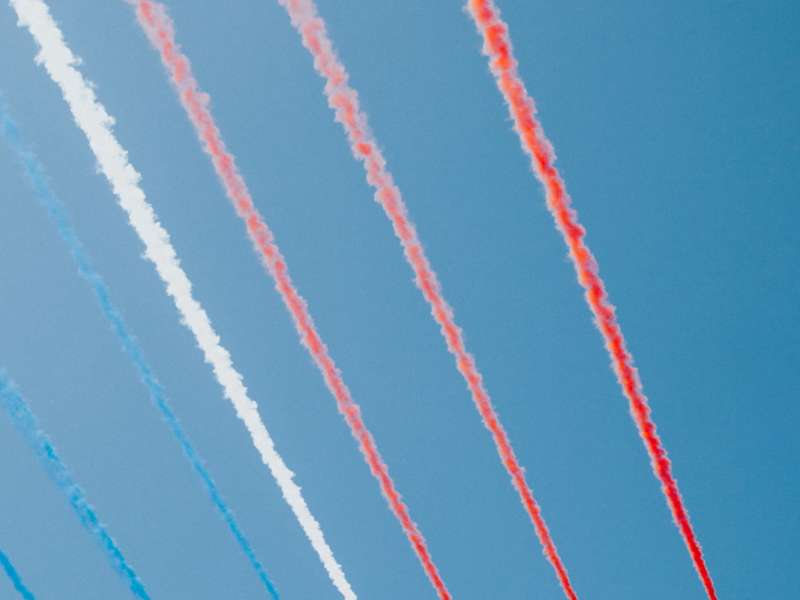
x=26, y=423
x=38, y=180
x=96, y=123
x=344, y=101
x=158, y=26
x=15, y=578
x=497, y=46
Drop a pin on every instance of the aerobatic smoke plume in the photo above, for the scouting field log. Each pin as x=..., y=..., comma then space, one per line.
x=37, y=178
x=497, y=46
x=159, y=29
x=27, y=425
x=96, y=123
x=15, y=578
x=344, y=101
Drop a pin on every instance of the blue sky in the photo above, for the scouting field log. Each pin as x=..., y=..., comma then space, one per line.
x=677, y=134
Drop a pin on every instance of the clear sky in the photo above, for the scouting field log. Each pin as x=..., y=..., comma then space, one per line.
x=677, y=133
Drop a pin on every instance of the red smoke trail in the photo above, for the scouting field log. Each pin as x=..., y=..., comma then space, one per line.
x=344, y=100
x=497, y=46
x=158, y=26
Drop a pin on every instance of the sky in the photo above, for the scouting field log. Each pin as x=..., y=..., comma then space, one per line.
x=677, y=132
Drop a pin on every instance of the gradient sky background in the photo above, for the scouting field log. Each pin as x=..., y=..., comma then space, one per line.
x=677, y=133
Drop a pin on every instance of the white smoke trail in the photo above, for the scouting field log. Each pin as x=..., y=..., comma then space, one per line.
x=96, y=123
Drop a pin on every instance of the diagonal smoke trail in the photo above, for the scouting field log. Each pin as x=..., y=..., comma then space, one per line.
x=344, y=101
x=38, y=180
x=158, y=26
x=497, y=46
x=26, y=423
x=96, y=123
x=15, y=578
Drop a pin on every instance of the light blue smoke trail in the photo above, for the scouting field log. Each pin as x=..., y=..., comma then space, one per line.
x=38, y=441
x=15, y=578
x=38, y=180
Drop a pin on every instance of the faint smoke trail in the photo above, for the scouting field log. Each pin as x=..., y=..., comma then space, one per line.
x=159, y=28
x=96, y=123
x=344, y=100
x=38, y=180
x=497, y=46
x=26, y=423
x=15, y=578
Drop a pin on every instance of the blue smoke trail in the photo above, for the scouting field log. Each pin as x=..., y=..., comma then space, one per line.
x=38, y=180
x=15, y=578
x=38, y=441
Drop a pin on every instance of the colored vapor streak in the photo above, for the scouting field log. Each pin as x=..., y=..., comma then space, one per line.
x=96, y=123
x=15, y=578
x=158, y=26
x=38, y=180
x=26, y=423
x=344, y=100
x=497, y=46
